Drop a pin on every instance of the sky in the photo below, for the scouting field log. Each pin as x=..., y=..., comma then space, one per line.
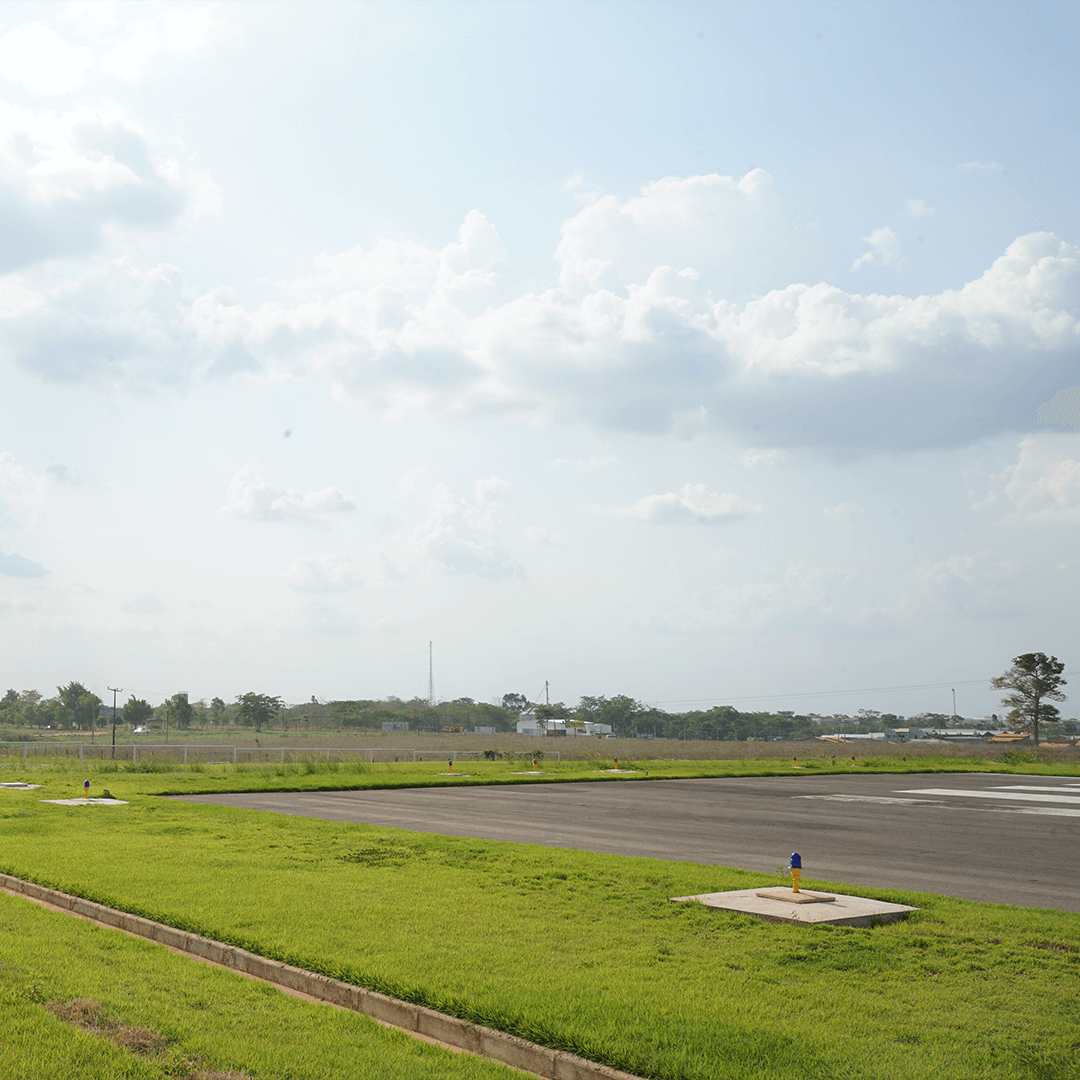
x=707, y=353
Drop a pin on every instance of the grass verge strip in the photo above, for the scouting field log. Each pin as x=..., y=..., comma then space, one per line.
x=414, y=1019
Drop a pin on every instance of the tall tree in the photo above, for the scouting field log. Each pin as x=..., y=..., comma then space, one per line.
x=80, y=704
x=1032, y=682
x=257, y=709
x=135, y=711
x=180, y=710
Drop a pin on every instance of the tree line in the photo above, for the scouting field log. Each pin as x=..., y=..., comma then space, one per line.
x=75, y=708
x=1033, y=682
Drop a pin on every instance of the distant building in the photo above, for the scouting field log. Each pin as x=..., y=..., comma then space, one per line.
x=530, y=724
x=958, y=734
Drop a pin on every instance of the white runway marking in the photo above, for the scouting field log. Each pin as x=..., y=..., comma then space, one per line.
x=1012, y=796
x=873, y=799
x=1039, y=787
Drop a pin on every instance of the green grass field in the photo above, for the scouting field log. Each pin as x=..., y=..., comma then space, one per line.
x=150, y=776
x=574, y=950
x=161, y=1016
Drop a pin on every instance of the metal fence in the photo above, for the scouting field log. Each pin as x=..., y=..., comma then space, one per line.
x=201, y=754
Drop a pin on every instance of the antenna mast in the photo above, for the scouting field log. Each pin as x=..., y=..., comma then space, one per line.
x=430, y=676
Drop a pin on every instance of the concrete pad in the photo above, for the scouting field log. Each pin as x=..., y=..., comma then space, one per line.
x=840, y=911
x=19, y=786
x=87, y=802
x=803, y=896
x=537, y=773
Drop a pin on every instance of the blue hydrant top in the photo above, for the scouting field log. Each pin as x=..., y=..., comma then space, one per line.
x=796, y=861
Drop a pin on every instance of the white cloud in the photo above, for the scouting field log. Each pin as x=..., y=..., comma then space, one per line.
x=586, y=464
x=830, y=602
x=36, y=56
x=458, y=538
x=884, y=248
x=318, y=617
x=539, y=535
x=116, y=326
x=693, y=503
x=918, y=208
x=493, y=490
x=845, y=516
x=409, y=481
x=65, y=178
x=972, y=586
x=756, y=457
x=732, y=232
x=15, y=565
x=324, y=574
x=1042, y=486
x=21, y=493
x=62, y=474
x=1063, y=408
x=257, y=501
x=407, y=329
x=146, y=603
x=121, y=41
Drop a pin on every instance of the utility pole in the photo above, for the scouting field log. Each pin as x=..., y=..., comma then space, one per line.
x=115, y=691
x=430, y=676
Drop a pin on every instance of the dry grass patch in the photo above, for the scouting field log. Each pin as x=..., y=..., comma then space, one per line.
x=88, y=1014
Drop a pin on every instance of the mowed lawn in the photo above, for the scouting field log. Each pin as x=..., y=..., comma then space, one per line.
x=576, y=950
x=80, y=1001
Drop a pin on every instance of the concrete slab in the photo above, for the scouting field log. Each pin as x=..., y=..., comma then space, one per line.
x=803, y=896
x=18, y=785
x=840, y=911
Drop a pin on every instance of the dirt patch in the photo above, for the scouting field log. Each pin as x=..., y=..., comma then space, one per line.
x=92, y=1018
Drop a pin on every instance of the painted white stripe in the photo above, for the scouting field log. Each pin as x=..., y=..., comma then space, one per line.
x=1038, y=787
x=1014, y=796
x=873, y=799
x=1045, y=811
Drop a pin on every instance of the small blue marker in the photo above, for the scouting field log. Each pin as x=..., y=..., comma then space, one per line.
x=86, y=789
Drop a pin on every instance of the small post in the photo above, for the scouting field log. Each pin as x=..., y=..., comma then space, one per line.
x=795, y=762
x=616, y=764
x=450, y=766
x=534, y=763
x=852, y=759
x=796, y=870
x=86, y=789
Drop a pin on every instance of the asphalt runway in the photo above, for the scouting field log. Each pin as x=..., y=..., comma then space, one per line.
x=991, y=837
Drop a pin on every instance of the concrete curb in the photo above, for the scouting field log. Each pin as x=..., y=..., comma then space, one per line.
x=416, y=1019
